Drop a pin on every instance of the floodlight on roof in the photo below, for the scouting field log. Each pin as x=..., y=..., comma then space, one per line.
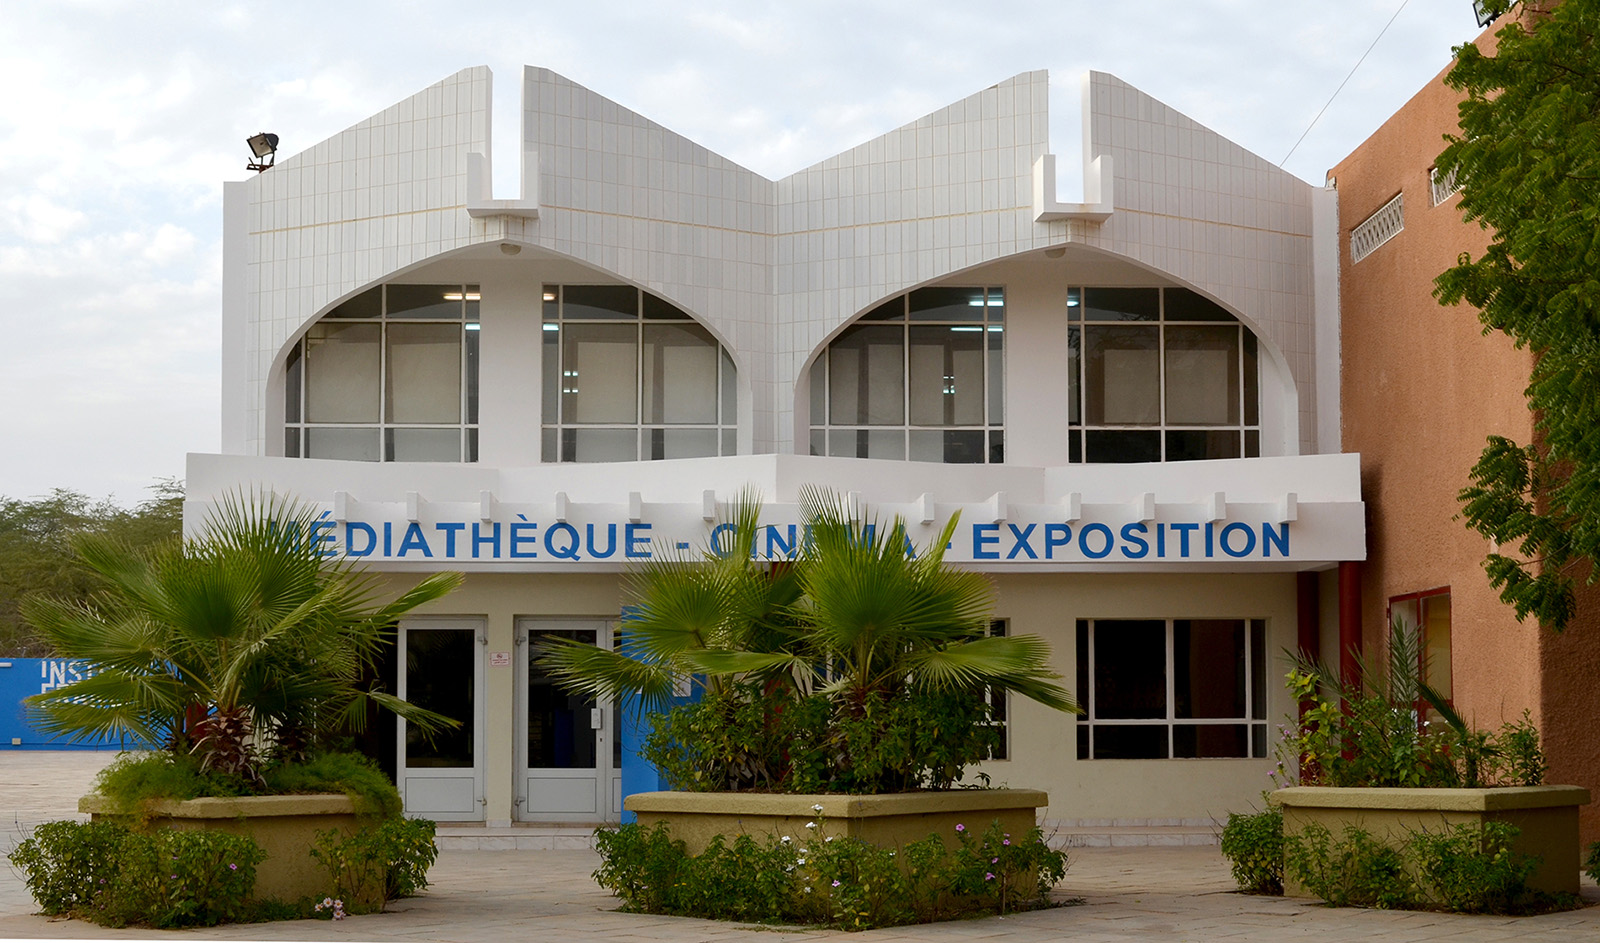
x=262, y=145
x=1487, y=11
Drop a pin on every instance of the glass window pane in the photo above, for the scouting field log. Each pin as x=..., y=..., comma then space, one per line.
x=730, y=390
x=679, y=374
x=599, y=301
x=291, y=385
x=548, y=442
x=996, y=306
x=473, y=302
x=997, y=375
x=1074, y=366
x=997, y=446
x=1258, y=669
x=1252, y=443
x=599, y=373
x=439, y=677
x=423, y=445
x=472, y=445
x=1186, y=305
x=560, y=735
x=847, y=443
x=551, y=303
x=1252, y=382
x=681, y=443
x=1130, y=669
x=1121, y=304
x=948, y=304
x=1112, y=446
x=886, y=443
x=1210, y=741
x=819, y=441
x=946, y=376
x=472, y=375
x=1123, y=375
x=601, y=445
x=1074, y=304
x=1197, y=444
x=342, y=364
x=1203, y=376
x=819, y=390
x=368, y=304
x=962, y=446
x=866, y=376
x=1074, y=445
x=551, y=368
x=891, y=310
x=1436, y=642
x=1208, y=675
x=424, y=375
x=1130, y=742
x=291, y=442
x=660, y=309
x=356, y=445
x=730, y=442
x=425, y=301
x=927, y=445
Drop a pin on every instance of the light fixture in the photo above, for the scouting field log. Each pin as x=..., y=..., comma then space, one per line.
x=473, y=326
x=549, y=296
x=1055, y=252
x=510, y=248
x=265, y=148
x=1487, y=11
x=551, y=327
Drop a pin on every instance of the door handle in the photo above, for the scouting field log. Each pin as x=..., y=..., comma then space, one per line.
x=597, y=718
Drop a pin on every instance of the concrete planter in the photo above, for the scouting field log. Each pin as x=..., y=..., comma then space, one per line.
x=1547, y=816
x=285, y=827
x=885, y=820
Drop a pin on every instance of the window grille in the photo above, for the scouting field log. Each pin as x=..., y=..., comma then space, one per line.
x=1378, y=229
x=1444, y=185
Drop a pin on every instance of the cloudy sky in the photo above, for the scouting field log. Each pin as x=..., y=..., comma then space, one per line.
x=123, y=117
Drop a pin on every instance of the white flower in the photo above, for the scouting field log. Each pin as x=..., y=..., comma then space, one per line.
x=801, y=861
x=817, y=808
x=811, y=825
x=808, y=888
x=785, y=839
x=828, y=839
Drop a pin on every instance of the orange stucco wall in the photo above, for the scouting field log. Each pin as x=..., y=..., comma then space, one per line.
x=1422, y=387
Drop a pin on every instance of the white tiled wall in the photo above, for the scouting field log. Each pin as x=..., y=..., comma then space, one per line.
x=773, y=266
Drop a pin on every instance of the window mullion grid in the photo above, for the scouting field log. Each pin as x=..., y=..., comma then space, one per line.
x=638, y=376
x=1161, y=389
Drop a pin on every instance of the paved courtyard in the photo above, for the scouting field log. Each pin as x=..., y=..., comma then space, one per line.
x=1172, y=894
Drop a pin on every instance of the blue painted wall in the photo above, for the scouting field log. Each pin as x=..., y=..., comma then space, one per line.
x=22, y=677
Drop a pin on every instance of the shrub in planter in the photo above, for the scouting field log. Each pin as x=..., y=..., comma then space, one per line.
x=859, y=664
x=840, y=882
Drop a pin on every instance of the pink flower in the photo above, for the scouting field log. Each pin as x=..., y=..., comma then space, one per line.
x=836, y=882
x=960, y=827
x=988, y=875
x=1006, y=842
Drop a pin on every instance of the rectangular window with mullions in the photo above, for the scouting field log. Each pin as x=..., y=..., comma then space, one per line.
x=1172, y=688
x=919, y=377
x=1158, y=374
x=389, y=375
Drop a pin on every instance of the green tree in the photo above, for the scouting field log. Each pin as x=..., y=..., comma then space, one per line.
x=1528, y=159
x=245, y=630
x=36, y=550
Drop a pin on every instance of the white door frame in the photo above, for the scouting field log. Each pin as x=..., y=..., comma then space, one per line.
x=555, y=795
x=443, y=794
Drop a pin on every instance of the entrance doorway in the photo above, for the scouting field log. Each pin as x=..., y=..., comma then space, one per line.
x=441, y=669
x=569, y=754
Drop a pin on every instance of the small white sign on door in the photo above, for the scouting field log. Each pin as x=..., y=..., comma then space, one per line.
x=500, y=659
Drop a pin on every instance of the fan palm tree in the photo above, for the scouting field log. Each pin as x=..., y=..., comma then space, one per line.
x=857, y=615
x=248, y=631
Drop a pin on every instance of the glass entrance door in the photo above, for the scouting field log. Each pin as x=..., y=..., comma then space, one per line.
x=567, y=745
x=441, y=669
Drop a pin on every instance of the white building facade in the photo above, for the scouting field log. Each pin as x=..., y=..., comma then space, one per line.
x=1126, y=400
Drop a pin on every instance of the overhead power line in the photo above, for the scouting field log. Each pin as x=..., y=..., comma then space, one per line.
x=1343, y=84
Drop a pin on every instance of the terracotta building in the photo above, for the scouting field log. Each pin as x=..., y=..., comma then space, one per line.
x=1422, y=386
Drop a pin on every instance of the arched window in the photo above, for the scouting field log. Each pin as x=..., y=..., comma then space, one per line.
x=629, y=376
x=921, y=377
x=390, y=375
x=1159, y=374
